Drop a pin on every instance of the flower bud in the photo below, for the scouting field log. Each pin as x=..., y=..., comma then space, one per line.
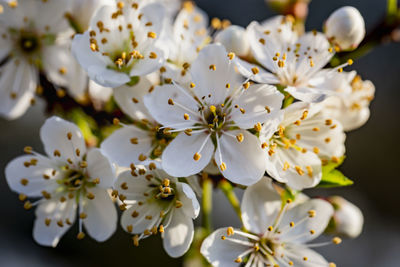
x=348, y=219
x=234, y=39
x=345, y=28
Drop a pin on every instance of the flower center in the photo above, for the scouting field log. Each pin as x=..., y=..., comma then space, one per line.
x=215, y=118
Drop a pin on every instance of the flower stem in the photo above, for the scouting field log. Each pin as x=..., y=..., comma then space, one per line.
x=229, y=192
x=207, y=203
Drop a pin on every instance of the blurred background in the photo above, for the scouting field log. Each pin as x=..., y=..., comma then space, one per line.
x=373, y=162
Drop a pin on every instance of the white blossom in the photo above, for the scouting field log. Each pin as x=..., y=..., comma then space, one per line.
x=275, y=236
x=156, y=202
x=304, y=138
x=350, y=104
x=345, y=27
x=292, y=61
x=212, y=118
x=120, y=43
x=69, y=179
x=33, y=40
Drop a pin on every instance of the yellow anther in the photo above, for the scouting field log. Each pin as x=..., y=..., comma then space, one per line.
x=223, y=237
x=213, y=109
x=230, y=231
x=231, y=55
x=262, y=41
x=240, y=137
x=309, y=171
x=27, y=205
x=161, y=228
x=336, y=240
x=192, y=85
x=222, y=166
x=312, y=213
x=22, y=197
x=186, y=116
x=304, y=115
x=152, y=35
x=178, y=204
x=257, y=127
x=24, y=181
x=291, y=224
x=350, y=62
x=246, y=85
x=212, y=67
x=340, y=70
x=228, y=85
x=299, y=170
x=270, y=228
x=80, y=235
x=216, y=23
x=135, y=239
x=238, y=260
x=255, y=70
x=312, y=232
x=196, y=156
x=152, y=55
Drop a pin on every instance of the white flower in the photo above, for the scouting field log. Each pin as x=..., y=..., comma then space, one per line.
x=305, y=136
x=234, y=39
x=68, y=179
x=292, y=61
x=141, y=140
x=120, y=43
x=182, y=41
x=345, y=27
x=33, y=41
x=348, y=218
x=350, y=104
x=83, y=10
x=212, y=118
x=156, y=202
x=276, y=236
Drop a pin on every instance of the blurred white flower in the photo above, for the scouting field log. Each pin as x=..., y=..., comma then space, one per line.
x=33, y=40
x=141, y=140
x=348, y=219
x=345, y=27
x=304, y=137
x=292, y=61
x=182, y=40
x=234, y=39
x=276, y=236
x=212, y=118
x=69, y=179
x=120, y=43
x=156, y=202
x=83, y=10
x=350, y=104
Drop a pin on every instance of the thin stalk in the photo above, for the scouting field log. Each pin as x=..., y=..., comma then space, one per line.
x=229, y=192
x=207, y=203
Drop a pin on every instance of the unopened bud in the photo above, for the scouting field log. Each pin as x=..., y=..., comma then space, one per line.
x=345, y=28
x=234, y=39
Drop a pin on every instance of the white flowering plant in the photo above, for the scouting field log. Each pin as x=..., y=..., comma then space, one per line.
x=152, y=107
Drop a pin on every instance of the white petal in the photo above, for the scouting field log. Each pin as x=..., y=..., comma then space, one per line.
x=16, y=171
x=120, y=149
x=179, y=234
x=222, y=253
x=100, y=167
x=101, y=220
x=168, y=115
x=245, y=161
x=296, y=253
x=135, y=186
x=54, y=136
x=254, y=101
x=56, y=211
x=148, y=65
x=191, y=206
x=139, y=222
x=131, y=99
x=282, y=166
x=260, y=206
x=62, y=69
x=5, y=43
x=177, y=158
x=18, y=82
x=213, y=82
x=301, y=233
x=99, y=93
x=262, y=77
x=307, y=94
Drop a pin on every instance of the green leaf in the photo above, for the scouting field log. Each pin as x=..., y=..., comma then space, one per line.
x=334, y=178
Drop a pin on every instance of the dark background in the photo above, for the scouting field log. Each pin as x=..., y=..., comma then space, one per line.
x=372, y=162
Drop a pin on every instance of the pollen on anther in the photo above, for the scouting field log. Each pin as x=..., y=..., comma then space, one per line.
x=196, y=156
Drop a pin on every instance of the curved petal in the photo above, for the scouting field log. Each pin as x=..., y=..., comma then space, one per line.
x=101, y=220
x=148, y=64
x=179, y=234
x=296, y=168
x=297, y=253
x=100, y=167
x=262, y=77
x=18, y=82
x=222, y=253
x=301, y=233
x=171, y=114
x=244, y=161
x=178, y=158
x=125, y=145
x=141, y=217
x=55, y=137
x=308, y=94
x=260, y=206
x=261, y=102
x=191, y=206
x=131, y=98
x=29, y=179
x=211, y=71
x=59, y=213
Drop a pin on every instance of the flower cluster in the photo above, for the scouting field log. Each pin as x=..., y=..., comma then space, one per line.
x=192, y=104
